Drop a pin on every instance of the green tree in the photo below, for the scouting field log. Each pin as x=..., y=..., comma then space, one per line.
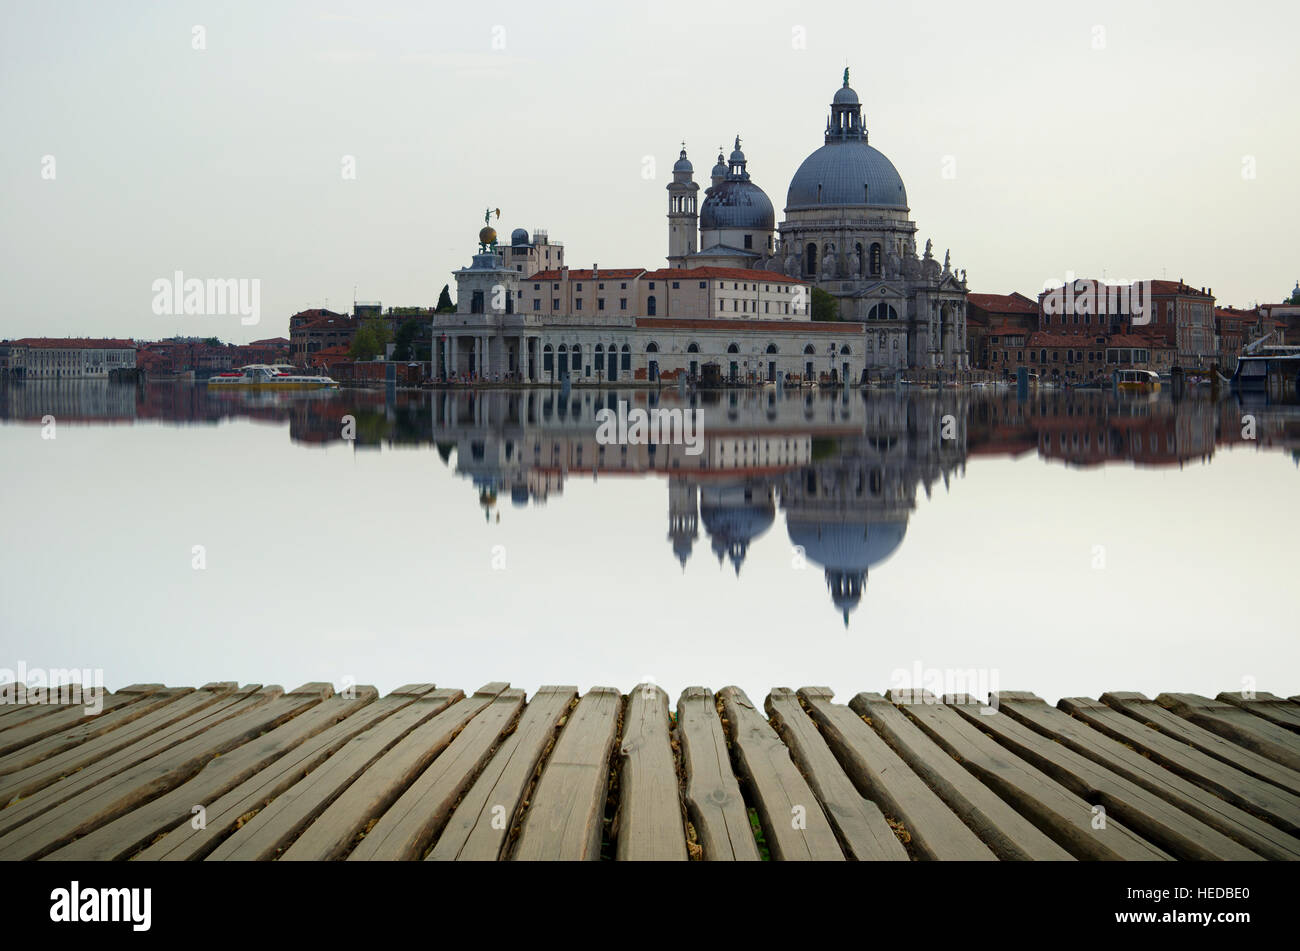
x=824, y=305
x=404, y=339
x=445, y=306
x=370, y=340
x=212, y=342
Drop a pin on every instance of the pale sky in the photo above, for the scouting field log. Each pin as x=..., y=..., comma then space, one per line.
x=1132, y=160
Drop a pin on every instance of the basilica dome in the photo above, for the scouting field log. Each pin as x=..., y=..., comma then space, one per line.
x=835, y=175
x=736, y=202
x=846, y=170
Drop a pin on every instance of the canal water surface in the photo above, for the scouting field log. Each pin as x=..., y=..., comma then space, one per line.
x=1069, y=544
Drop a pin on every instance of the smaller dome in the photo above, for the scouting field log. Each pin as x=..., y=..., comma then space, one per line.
x=683, y=164
x=519, y=237
x=719, y=170
x=736, y=156
x=845, y=96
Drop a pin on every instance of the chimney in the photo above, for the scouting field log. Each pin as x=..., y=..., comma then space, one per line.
x=595, y=272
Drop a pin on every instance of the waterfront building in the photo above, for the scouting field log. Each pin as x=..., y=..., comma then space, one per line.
x=36, y=358
x=734, y=293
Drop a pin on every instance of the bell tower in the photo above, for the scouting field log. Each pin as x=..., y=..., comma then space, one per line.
x=683, y=211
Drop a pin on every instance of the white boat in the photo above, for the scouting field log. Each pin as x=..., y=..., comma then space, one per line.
x=277, y=378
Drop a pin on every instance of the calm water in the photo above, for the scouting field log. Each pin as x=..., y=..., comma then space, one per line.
x=1069, y=544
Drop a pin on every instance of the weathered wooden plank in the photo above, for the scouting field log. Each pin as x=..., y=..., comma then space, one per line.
x=1232, y=723
x=108, y=755
x=1236, y=786
x=334, y=832
x=1158, y=821
x=481, y=822
x=1142, y=708
x=64, y=718
x=122, y=836
x=228, y=812
x=159, y=774
x=565, y=817
x=34, y=704
x=410, y=824
x=714, y=803
x=1240, y=826
x=275, y=826
x=861, y=826
x=794, y=824
x=1274, y=709
x=941, y=806
x=648, y=826
x=43, y=751
x=1059, y=813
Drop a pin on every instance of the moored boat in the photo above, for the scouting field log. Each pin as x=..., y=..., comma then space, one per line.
x=279, y=378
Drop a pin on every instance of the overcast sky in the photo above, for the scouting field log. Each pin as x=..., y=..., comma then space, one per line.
x=1134, y=140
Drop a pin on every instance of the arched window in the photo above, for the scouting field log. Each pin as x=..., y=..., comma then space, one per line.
x=882, y=311
x=810, y=349
x=650, y=306
x=693, y=348
x=771, y=348
x=810, y=262
x=600, y=348
x=875, y=260
x=845, y=350
x=548, y=358
x=732, y=348
x=626, y=360
x=652, y=347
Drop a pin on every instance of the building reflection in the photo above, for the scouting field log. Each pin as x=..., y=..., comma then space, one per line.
x=843, y=468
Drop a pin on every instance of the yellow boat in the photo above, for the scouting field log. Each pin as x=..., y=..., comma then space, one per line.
x=280, y=379
x=1138, y=381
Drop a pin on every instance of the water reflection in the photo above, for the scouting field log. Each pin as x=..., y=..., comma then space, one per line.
x=844, y=468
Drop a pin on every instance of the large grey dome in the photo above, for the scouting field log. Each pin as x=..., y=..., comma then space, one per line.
x=841, y=169
x=734, y=204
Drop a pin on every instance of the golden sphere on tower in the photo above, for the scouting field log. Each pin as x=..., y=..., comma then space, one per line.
x=487, y=235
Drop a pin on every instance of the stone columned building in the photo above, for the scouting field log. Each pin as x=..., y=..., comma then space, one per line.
x=848, y=230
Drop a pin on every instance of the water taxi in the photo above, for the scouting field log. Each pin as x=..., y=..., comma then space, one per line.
x=1138, y=381
x=277, y=378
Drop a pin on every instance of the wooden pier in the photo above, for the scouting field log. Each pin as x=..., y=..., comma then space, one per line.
x=253, y=772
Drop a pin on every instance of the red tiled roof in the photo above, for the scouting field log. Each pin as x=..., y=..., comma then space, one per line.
x=317, y=312
x=665, y=274
x=337, y=322
x=722, y=324
x=269, y=342
x=1175, y=287
x=575, y=274
x=75, y=343
x=1003, y=303
x=726, y=273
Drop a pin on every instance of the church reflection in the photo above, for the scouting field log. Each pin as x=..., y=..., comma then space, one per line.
x=844, y=471
x=841, y=469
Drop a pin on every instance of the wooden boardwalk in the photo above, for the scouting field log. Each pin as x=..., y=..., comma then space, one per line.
x=253, y=772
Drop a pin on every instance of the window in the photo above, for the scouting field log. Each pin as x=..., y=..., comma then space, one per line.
x=749, y=242
x=622, y=303
x=623, y=286
x=652, y=285
x=600, y=303
x=577, y=304
x=677, y=285
x=600, y=286
x=555, y=303
x=702, y=283
x=537, y=303
x=537, y=287
x=577, y=287
x=650, y=305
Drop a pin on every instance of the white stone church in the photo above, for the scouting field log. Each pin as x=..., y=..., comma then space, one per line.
x=737, y=289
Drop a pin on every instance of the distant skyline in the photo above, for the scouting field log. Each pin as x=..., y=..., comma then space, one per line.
x=1126, y=141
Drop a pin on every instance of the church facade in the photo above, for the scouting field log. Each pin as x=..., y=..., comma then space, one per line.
x=846, y=230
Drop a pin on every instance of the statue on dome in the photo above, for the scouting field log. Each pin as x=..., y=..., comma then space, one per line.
x=829, y=262
x=857, y=261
